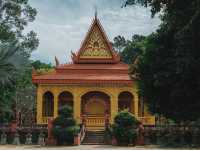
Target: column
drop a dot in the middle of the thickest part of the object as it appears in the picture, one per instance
(55, 94)
(39, 105)
(136, 101)
(77, 107)
(114, 107)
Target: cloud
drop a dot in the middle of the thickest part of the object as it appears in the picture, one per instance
(61, 25)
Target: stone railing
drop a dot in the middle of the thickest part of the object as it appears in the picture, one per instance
(172, 135)
(80, 136)
(45, 120)
(23, 135)
(98, 121)
(147, 120)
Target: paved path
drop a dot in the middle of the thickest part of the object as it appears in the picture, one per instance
(84, 147)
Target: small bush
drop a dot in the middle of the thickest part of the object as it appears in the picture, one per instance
(65, 127)
(124, 128)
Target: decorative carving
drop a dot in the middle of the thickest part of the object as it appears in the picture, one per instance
(96, 46)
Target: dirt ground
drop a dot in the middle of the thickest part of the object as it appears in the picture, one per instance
(87, 147)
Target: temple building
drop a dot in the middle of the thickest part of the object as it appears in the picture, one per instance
(96, 85)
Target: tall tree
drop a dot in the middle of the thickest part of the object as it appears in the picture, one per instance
(15, 50)
(168, 71)
(14, 17)
(12, 64)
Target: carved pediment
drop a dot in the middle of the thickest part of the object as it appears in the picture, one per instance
(96, 46)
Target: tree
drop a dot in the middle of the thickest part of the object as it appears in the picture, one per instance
(14, 16)
(12, 64)
(15, 50)
(25, 93)
(133, 49)
(129, 49)
(12, 61)
(167, 70)
(40, 65)
(119, 43)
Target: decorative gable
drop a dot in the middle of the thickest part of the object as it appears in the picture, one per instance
(96, 47)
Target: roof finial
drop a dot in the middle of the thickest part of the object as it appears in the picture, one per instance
(95, 7)
(57, 61)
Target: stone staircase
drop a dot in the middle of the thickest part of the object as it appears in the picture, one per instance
(94, 138)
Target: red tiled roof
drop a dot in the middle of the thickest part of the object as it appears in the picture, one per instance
(86, 73)
(118, 66)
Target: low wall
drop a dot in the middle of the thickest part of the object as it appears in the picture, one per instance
(23, 135)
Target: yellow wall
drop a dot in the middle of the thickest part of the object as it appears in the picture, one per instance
(78, 92)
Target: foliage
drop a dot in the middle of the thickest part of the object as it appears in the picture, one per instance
(12, 62)
(40, 65)
(119, 43)
(15, 50)
(124, 128)
(129, 49)
(173, 136)
(64, 126)
(14, 16)
(12, 65)
(167, 71)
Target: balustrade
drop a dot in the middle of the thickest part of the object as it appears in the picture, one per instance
(147, 120)
(95, 121)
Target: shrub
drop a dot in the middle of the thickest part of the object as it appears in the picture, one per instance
(65, 127)
(124, 128)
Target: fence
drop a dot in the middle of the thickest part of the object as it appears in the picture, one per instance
(172, 135)
(23, 135)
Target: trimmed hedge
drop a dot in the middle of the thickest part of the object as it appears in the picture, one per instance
(65, 127)
(125, 128)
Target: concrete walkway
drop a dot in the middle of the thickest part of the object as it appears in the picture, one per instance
(86, 147)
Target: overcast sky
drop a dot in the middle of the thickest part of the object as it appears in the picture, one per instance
(61, 25)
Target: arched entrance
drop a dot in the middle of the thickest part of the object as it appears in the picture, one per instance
(95, 109)
(65, 98)
(125, 101)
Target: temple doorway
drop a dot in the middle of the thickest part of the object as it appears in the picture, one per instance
(95, 109)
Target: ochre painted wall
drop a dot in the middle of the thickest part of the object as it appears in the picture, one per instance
(78, 91)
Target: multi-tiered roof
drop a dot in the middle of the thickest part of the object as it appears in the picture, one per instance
(96, 62)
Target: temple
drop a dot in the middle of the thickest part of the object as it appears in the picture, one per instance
(96, 85)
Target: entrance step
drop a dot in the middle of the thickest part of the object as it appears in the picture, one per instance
(94, 137)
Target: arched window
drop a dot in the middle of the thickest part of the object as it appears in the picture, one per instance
(125, 101)
(48, 104)
(65, 98)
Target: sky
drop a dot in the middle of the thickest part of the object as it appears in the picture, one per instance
(61, 25)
